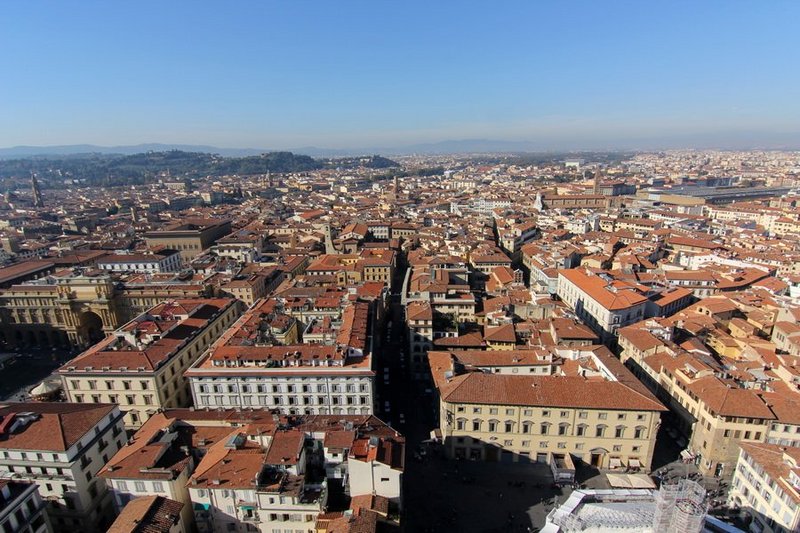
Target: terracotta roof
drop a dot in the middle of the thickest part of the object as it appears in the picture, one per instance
(59, 427)
(611, 295)
(773, 459)
(556, 391)
(147, 514)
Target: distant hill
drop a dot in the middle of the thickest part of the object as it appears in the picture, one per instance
(372, 161)
(114, 169)
(146, 167)
(83, 149)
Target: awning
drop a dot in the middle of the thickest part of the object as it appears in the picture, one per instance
(201, 506)
(630, 481)
(248, 507)
(436, 434)
(686, 454)
(634, 463)
(615, 463)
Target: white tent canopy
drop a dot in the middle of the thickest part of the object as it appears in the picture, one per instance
(630, 481)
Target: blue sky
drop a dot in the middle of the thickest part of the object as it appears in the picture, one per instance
(343, 74)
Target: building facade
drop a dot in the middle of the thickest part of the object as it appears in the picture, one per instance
(141, 366)
(61, 447)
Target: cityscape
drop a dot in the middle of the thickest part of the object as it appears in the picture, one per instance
(421, 306)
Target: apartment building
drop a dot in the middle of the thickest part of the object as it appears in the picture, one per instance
(190, 237)
(21, 508)
(141, 366)
(242, 369)
(158, 460)
(603, 304)
(483, 263)
(445, 287)
(154, 263)
(702, 283)
(254, 470)
(61, 447)
(512, 237)
(419, 319)
(715, 413)
(542, 260)
(592, 409)
(371, 264)
(766, 487)
(243, 246)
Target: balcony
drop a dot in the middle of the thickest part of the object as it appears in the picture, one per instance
(249, 514)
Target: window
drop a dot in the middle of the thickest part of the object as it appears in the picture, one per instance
(638, 433)
(460, 424)
(544, 428)
(563, 428)
(476, 425)
(581, 430)
(476, 410)
(492, 425)
(602, 416)
(545, 413)
(509, 412)
(619, 432)
(600, 431)
(139, 486)
(122, 485)
(493, 410)
(509, 426)
(564, 414)
(460, 409)
(158, 486)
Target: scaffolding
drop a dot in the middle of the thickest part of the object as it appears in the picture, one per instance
(680, 507)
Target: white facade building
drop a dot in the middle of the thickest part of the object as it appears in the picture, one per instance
(61, 447)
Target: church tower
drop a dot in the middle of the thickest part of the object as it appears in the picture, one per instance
(596, 188)
(37, 194)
